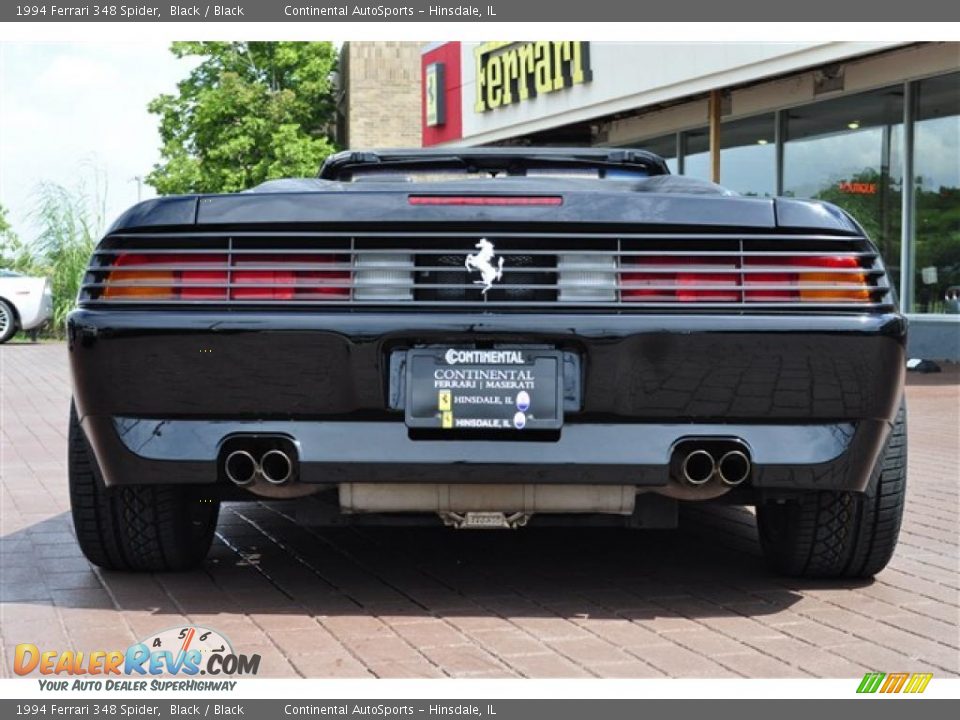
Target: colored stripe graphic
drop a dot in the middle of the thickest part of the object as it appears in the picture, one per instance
(918, 682)
(894, 682)
(870, 682)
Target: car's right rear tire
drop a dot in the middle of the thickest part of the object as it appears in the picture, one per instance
(826, 534)
(148, 528)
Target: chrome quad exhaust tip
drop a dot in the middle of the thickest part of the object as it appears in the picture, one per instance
(276, 467)
(259, 462)
(240, 467)
(733, 468)
(705, 467)
(698, 467)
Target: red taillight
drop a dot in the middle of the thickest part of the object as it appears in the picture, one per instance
(760, 278)
(265, 283)
(288, 277)
(680, 278)
(201, 281)
(203, 276)
(485, 200)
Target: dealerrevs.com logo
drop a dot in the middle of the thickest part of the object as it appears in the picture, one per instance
(184, 651)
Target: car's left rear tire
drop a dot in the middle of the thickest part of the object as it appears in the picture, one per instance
(146, 528)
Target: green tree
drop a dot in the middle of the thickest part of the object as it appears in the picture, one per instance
(249, 112)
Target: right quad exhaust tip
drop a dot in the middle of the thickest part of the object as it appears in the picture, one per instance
(733, 468)
(276, 467)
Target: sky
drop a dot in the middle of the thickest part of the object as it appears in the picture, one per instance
(66, 109)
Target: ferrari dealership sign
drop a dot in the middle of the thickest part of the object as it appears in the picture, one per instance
(515, 72)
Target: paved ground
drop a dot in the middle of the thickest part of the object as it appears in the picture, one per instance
(433, 603)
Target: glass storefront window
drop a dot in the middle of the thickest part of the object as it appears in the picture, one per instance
(848, 151)
(748, 156)
(936, 167)
(696, 153)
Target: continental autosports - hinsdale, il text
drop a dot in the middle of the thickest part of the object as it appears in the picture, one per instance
(378, 11)
(345, 10)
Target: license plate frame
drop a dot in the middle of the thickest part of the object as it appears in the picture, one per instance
(516, 390)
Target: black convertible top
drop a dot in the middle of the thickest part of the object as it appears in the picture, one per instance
(511, 160)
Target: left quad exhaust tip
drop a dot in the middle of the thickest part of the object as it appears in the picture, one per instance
(698, 467)
(240, 467)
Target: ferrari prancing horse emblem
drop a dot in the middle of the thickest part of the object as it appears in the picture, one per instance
(483, 261)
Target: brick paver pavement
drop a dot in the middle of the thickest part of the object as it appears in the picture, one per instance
(405, 602)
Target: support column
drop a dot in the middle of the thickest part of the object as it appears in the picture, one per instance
(908, 201)
(780, 137)
(715, 100)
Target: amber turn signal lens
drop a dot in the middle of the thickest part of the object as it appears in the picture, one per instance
(857, 281)
(150, 283)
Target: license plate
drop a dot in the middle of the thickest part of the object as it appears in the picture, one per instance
(476, 390)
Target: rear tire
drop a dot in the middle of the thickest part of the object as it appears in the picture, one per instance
(827, 534)
(147, 528)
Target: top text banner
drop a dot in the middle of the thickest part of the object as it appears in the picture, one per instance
(495, 11)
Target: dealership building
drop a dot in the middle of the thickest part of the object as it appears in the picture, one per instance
(844, 122)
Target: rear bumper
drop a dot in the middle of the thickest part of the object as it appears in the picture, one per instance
(787, 457)
(812, 397)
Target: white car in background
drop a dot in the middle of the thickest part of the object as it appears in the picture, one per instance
(26, 303)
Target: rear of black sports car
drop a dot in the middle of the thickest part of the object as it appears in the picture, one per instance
(546, 337)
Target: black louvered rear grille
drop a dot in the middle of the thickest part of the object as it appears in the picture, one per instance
(562, 271)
